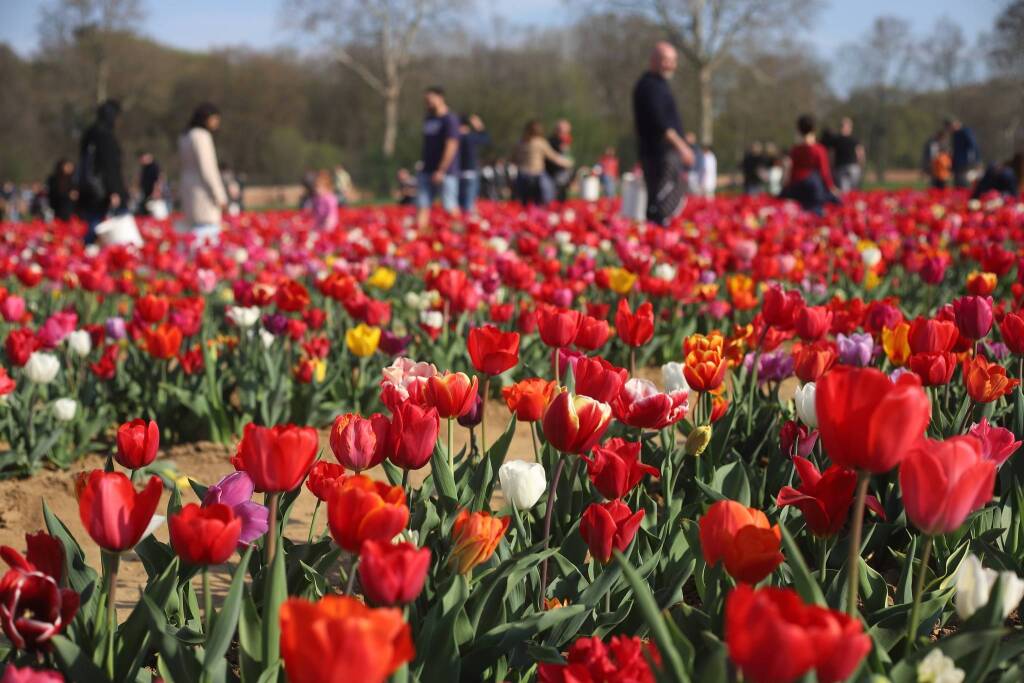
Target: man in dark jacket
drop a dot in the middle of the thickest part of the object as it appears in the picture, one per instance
(101, 188)
(663, 152)
(966, 154)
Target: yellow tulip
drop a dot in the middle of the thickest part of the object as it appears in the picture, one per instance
(382, 278)
(362, 340)
(620, 280)
(896, 344)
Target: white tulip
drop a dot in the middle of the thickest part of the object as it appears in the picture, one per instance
(805, 410)
(665, 271)
(64, 409)
(433, 319)
(41, 367)
(498, 244)
(80, 342)
(267, 338)
(672, 377)
(523, 482)
(974, 586)
(871, 256)
(938, 668)
(244, 316)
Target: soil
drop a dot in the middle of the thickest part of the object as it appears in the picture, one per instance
(204, 462)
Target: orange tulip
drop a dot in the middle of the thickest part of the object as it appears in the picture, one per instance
(986, 381)
(704, 370)
(574, 423)
(360, 509)
(475, 535)
(453, 394)
(162, 342)
(743, 538)
(339, 639)
(528, 398)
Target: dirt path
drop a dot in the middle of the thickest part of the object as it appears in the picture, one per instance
(21, 500)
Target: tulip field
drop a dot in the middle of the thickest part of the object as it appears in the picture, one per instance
(544, 445)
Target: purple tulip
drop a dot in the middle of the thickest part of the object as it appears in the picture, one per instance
(116, 328)
(393, 345)
(275, 323)
(235, 491)
(475, 414)
(855, 349)
(774, 366)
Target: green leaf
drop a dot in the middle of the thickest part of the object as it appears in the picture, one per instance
(276, 593)
(671, 661)
(227, 619)
(74, 662)
(803, 580)
(132, 646)
(442, 475)
(180, 663)
(437, 657)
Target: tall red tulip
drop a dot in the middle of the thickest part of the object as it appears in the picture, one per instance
(813, 322)
(944, 481)
(277, 459)
(574, 423)
(112, 512)
(609, 526)
(204, 535)
(867, 421)
(635, 329)
(137, 443)
(412, 435)
(558, 326)
(392, 574)
(491, 350)
(1012, 331)
(929, 335)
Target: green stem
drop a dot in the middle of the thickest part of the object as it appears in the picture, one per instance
(111, 566)
(272, 529)
(915, 610)
(483, 418)
(853, 561)
(351, 583)
(547, 530)
(207, 604)
(451, 445)
(536, 449)
(312, 522)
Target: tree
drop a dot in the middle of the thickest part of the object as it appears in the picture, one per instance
(1007, 39)
(943, 56)
(375, 39)
(90, 25)
(707, 32)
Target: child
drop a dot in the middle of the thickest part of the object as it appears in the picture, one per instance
(325, 202)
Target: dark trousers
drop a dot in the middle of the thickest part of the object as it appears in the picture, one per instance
(666, 189)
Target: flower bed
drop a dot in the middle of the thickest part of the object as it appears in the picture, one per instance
(820, 483)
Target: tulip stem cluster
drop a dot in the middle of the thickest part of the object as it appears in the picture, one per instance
(915, 609)
(852, 564)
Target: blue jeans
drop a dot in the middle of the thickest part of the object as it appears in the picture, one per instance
(92, 219)
(469, 190)
(427, 191)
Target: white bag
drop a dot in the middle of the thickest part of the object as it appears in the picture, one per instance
(590, 188)
(157, 209)
(634, 197)
(119, 230)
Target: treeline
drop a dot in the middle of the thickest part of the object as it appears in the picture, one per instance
(284, 113)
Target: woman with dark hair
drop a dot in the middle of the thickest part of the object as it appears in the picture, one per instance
(1006, 178)
(202, 190)
(810, 180)
(60, 190)
(101, 188)
(534, 185)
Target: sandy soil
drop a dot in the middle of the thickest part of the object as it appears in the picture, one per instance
(21, 500)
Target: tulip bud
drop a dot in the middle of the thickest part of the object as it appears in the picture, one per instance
(522, 482)
(698, 440)
(64, 409)
(475, 535)
(805, 410)
(80, 343)
(137, 443)
(974, 587)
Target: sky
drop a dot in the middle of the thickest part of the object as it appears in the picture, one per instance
(202, 24)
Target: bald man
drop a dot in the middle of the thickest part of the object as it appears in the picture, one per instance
(664, 154)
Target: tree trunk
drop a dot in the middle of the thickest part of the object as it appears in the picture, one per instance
(390, 122)
(102, 76)
(707, 124)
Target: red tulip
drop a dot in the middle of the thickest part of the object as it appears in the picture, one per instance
(13, 674)
(277, 458)
(33, 608)
(574, 423)
(392, 573)
(867, 421)
(361, 509)
(929, 335)
(814, 360)
(323, 478)
(112, 512)
(599, 379)
(743, 538)
(592, 335)
(614, 467)
(624, 659)
(635, 329)
(20, 344)
(412, 435)
(944, 481)
(491, 350)
(813, 322)
(609, 526)
(151, 309)
(558, 326)
(641, 405)
(340, 639)
(934, 369)
(1012, 331)
(779, 308)
(204, 535)
(453, 394)
(162, 342)
(773, 637)
(973, 316)
(358, 442)
(529, 398)
(985, 381)
(824, 499)
(137, 443)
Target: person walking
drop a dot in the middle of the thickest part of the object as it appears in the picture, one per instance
(472, 136)
(561, 142)
(101, 188)
(663, 153)
(533, 184)
(439, 177)
(750, 167)
(149, 181)
(966, 153)
(203, 196)
(609, 164)
(810, 180)
(60, 190)
(847, 156)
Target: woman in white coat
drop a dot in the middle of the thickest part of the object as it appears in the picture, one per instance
(202, 191)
